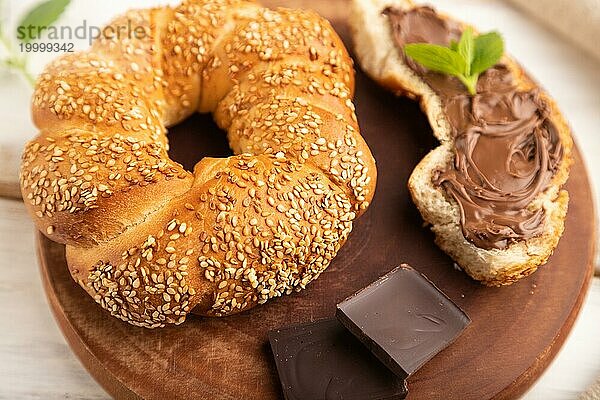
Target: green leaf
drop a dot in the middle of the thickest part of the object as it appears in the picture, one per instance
(488, 51)
(436, 58)
(466, 48)
(470, 83)
(465, 59)
(41, 16)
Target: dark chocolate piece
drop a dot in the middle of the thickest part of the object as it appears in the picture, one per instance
(403, 319)
(323, 361)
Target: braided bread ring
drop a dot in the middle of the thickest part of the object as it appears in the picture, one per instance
(150, 241)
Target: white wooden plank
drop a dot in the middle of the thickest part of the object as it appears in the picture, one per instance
(592, 393)
(577, 365)
(35, 360)
(562, 15)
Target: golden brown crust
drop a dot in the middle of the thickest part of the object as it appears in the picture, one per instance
(150, 241)
(379, 57)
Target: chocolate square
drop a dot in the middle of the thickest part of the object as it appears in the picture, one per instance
(323, 361)
(403, 318)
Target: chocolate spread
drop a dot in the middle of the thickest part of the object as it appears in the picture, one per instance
(506, 149)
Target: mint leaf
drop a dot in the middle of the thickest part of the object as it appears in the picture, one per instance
(488, 51)
(41, 16)
(465, 59)
(436, 58)
(466, 48)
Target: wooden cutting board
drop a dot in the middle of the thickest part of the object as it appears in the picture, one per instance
(516, 331)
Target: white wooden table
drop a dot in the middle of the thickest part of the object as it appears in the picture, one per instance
(35, 361)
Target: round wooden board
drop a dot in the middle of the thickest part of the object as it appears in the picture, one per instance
(515, 333)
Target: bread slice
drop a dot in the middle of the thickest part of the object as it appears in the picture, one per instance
(380, 58)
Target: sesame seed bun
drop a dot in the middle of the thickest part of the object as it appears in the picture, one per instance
(150, 241)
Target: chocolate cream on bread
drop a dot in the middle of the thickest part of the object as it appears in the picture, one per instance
(506, 148)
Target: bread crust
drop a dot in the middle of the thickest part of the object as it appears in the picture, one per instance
(151, 242)
(379, 57)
